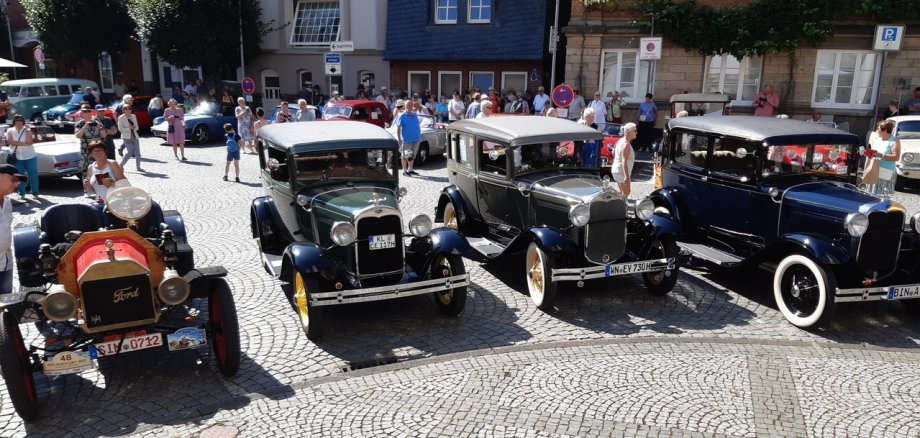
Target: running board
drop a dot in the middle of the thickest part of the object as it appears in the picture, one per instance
(486, 247)
(272, 263)
(710, 254)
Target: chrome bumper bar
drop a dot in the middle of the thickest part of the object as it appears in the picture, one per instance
(388, 292)
(603, 271)
(895, 292)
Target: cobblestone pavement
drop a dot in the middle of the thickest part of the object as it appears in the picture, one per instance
(714, 357)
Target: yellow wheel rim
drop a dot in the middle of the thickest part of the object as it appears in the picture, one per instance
(535, 273)
(300, 300)
(450, 217)
(441, 264)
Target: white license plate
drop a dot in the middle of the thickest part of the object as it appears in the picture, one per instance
(901, 292)
(628, 268)
(130, 344)
(382, 241)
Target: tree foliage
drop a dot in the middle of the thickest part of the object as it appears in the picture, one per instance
(204, 33)
(81, 29)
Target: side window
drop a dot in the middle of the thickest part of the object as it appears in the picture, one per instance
(51, 90)
(279, 173)
(733, 157)
(64, 90)
(691, 149)
(462, 146)
(493, 158)
(376, 114)
(32, 92)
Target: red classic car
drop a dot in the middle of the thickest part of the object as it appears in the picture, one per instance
(144, 121)
(369, 111)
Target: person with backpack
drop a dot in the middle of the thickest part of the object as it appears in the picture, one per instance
(233, 151)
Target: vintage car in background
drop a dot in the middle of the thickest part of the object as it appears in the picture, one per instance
(330, 225)
(361, 110)
(434, 138)
(757, 191)
(204, 122)
(701, 104)
(906, 129)
(56, 158)
(121, 278)
(138, 106)
(58, 116)
(31, 97)
(519, 184)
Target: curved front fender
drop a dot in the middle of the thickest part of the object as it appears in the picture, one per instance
(306, 258)
(26, 241)
(552, 241)
(669, 198)
(452, 194)
(817, 246)
(265, 224)
(440, 241)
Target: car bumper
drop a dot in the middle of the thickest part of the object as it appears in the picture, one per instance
(158, 133)
(911, 171)
(887, 293)
(54, 123)
(389, 292)
(613, 270)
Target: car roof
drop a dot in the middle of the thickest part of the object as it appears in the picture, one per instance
(527, 129)
(767, 130)
(897, 119)
(357, 102)
(48, 81)
(325, 134)
(701, 97)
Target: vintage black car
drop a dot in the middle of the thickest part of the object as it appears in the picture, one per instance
(531, 184)
(752, 191)
(330, 224)
(108, 280)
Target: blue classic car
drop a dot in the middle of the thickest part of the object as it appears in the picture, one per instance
(754, 191)
(202, 123)
(56, 117)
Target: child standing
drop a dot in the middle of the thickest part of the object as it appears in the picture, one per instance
(233, 151)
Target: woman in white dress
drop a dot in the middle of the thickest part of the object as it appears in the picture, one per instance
(624, 158)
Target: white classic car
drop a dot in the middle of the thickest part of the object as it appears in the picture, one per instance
(906, 129)
(434, 138)
(56, 158)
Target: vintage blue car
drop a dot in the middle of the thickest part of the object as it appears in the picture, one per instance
(330, 226)
(202, 123)
(56, 117)
(754, 191)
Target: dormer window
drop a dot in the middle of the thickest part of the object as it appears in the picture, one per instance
(445, 12)
(480, 11)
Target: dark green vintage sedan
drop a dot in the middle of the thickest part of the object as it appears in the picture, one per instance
(330, 224)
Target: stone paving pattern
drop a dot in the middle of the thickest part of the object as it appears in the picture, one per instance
(714, 357)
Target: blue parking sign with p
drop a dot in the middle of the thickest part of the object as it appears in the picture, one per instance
(889, 34)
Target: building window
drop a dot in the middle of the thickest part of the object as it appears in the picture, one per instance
(316, 23)
(106, 76)
(845, 79)
(514, 81)
(728, 75)
(623, 72)
(306, 78)
(446, 12)
(480, 11)
(482, 79)
(449, 81)
(419, 81)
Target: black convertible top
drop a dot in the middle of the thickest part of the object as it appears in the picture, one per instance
(767, 130)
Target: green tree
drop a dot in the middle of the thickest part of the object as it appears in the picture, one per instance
(81, 29)
(206, 33)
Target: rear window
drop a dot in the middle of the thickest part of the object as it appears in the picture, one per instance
(909, 130)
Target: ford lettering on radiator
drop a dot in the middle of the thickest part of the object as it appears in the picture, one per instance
(125, 294)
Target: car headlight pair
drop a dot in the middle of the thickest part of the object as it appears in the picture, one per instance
(580, 214)
(344, 233)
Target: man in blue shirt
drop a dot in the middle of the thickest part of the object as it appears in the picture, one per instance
(646, 130)
(409, 134)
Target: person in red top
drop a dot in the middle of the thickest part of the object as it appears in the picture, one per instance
(766, 102)
(496, 100)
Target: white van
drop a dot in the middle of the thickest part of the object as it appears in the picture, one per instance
(30, 97)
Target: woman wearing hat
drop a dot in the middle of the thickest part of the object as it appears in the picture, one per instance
(9, 179)
(19, 137)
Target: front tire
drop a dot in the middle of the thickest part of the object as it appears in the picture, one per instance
(310, 317)
(201, 134)
(224, 328)
(16, 368)
(804, 292)
(450, 302)
(662, 282)
(539, 267)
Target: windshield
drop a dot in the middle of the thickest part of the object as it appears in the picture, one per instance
(205, 109)
(828, 159)
(322, 166)
(908, 130)
(552, 155)
(76, 98)
(337, 111)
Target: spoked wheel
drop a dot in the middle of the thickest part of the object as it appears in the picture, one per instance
(16, 368)
(224, 328)
(804, 291)
(201, 134)
(422, 157)
(661, 282)
(310, 317)
(539, 268)
(450, 216)
(452, 301)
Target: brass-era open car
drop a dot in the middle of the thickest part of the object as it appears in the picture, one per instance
(109, 280)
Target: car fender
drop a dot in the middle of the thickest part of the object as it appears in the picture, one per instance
(670, 199)
(174, 222)
(306, 258)
(660, 227)
(200, 280)
(440, 241)
(817, 247)
(26, 241)
(550, 240)
(452, 194)
(265, 222)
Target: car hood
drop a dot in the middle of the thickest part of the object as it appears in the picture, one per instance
(832, 196)
(62, 109)
(346, 201)
(188, 118)
(578, 185)
(58, 148)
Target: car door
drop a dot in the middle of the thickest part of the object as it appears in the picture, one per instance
(494, 183)
(728, 195)
(461, 165)
(277, 183)
(686, 173)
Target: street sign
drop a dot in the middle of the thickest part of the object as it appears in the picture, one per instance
(248, 85)
(342, 46)
(334, 64)
(650, 49)
(888, 37)
(563, 96)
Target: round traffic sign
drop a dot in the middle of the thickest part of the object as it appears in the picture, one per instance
(563, 96)
(248, 85)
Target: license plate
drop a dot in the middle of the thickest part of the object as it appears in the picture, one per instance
(130, 344)
(901, 292)
(382, 241)
(628, 268)
(187, 338)
(67, 362)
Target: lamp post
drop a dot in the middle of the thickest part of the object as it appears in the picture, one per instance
(553, 42)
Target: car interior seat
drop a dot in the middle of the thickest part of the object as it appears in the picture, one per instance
(60, 219)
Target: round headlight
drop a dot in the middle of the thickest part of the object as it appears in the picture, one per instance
(915, 222)
(420, 225)
(856, 223)
(343, 233)
(128, 203)
(645, 209)
(907, 157)
(580, 214)
(59, 305)
(173, 289)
